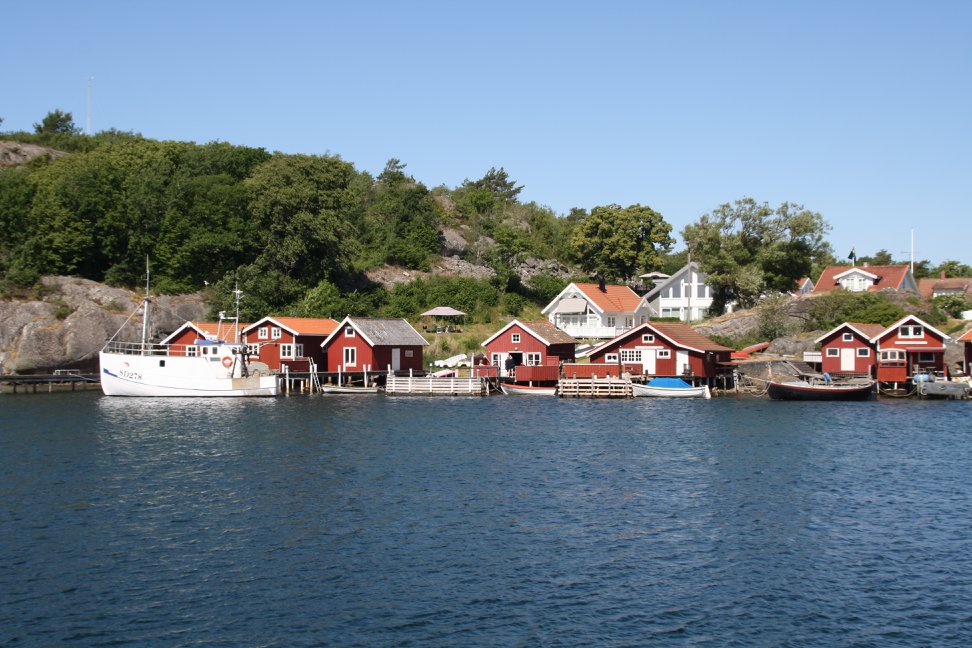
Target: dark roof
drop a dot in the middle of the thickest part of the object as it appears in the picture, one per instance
(685, 335)
(549, 332)
(386, 331)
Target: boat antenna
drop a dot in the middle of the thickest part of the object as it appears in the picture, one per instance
(145, 307)
(237, 294)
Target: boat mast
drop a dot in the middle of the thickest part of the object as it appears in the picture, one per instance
(145, 306)
(236, 297)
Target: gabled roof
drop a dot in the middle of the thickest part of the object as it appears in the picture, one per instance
(679, 334)
(298, 325)
(613, 299)
(912, 318)
(380, 331)
(225, 331)
(543, 331)
(930, 285)
(966, 337)
(866, 331)
(891, 276)
(681, 272)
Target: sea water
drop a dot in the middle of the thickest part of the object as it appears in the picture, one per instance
(508, 521)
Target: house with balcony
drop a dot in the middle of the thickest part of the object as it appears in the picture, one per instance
(894, 278)
(596, 310)
(684, 295)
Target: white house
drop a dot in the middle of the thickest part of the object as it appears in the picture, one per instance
(684, 295)
(596, 310)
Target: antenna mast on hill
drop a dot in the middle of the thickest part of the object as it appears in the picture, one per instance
(87, 119)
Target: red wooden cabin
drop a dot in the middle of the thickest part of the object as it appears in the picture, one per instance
(189, 339)
(849, 349)
(526, 345)
(967, 339)
(665, 349)
(361, 344)
(290, 341)
(907, 346)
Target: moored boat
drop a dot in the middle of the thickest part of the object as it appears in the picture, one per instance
(513, 389)
(670, 388)
(213, 368)
(803, 390)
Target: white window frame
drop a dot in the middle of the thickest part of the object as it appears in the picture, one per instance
(647, 338)
(911, 331)
(253, 349)
(350, 356)
(287, 351)
(892, 355)
(664, 354)
(611, 357)
(631, 356)
(848, 337)
(192, 351)
(263, 333)
(515, 338)
(863, 352)
(349, 331)
(611, 321)
(833, 352)
(275, 333)
(532, 358)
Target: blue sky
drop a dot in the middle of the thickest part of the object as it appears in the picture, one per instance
(858, 110)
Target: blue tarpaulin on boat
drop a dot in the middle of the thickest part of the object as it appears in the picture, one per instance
(670, 383)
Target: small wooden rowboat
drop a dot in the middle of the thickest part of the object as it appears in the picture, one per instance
(518, 390)
(803, 390)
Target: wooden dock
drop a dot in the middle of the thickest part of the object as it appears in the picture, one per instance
(431, 386)
(59, 381)
(609, 387)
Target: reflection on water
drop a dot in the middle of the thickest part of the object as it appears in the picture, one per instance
(375, 521)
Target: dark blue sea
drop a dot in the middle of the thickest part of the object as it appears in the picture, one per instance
(503, 521)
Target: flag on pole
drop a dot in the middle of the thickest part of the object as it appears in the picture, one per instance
(852, 256)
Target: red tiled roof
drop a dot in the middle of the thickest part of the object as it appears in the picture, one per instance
(930, 285)
(966, 337)
(684, 334)
(619, 299)
(309, 325)
(891, 276)
(870, 330)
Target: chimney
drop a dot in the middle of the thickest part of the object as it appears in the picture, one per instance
(943, 274)
(600, 283)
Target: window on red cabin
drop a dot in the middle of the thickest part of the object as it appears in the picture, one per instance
(833, 353)
(863, 352)
(263, 333)
(515, 338)
(848, 337)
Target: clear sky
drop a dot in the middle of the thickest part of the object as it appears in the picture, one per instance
(858, 110)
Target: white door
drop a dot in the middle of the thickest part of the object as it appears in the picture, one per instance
(648, 361)
(681, 362)
(847, 361)
(396, 359)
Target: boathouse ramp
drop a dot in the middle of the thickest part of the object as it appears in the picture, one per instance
(432, 386)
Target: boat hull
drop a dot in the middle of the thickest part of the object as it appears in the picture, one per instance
(808, 392)
(671, 392)
(128, 375)
(526, 390)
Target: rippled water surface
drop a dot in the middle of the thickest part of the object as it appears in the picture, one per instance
(368, 520)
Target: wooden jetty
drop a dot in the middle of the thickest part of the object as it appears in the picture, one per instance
(59, 381)
(434, 386)
(594, 387)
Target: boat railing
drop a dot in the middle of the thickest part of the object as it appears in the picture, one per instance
(147, 349)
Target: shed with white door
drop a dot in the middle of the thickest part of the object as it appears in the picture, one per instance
(665, 349)
(374, 344)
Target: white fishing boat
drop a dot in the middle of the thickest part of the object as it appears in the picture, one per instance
(206, 368)
(670, 388)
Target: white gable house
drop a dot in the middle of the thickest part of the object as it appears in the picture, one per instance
(684, 295)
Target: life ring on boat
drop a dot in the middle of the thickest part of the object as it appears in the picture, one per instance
(227, 362)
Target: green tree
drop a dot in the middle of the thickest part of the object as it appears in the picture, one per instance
(838, 306)
(57, 122)
(615, 242)
(303, 208)
(953, 305)
(748, 249)
(952, 268)
(880, 258)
